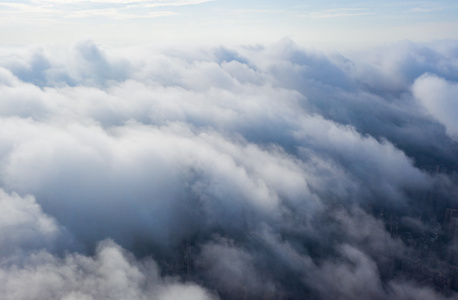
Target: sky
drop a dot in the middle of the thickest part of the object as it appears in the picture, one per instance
(206, 150)
(319, 23)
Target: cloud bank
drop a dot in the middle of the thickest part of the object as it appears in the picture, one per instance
(214, 173)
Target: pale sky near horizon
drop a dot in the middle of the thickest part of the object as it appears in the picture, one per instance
(316, 23)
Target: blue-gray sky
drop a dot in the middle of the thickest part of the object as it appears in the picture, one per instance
(320, 23)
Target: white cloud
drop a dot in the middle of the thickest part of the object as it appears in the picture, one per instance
(23, 225)
(425, 9)
(111, 273)
(149, 2)
(440, 99)
(266, 172)
(115, 10)
(340, 12)
(117, 15)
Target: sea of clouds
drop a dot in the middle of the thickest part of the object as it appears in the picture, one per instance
(254, 172)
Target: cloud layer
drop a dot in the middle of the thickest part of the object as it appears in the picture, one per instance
(258, 172)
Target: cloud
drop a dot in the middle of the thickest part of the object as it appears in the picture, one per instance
(356, 274)
(339, 13)
(151, 3)
(172, 2)
(23, 225)
(231, 269)
(438, 96)
(110, 273)
(111, 10)
(427, 9)
(260, 172)
(116, 15)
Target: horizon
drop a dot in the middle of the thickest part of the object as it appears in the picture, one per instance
(329, 25)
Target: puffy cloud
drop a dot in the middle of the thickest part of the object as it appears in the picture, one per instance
(232, 271)
(265, 172)
(439, 98)
(358, 276)
(110, 273)
(354, 274)
(23, 225)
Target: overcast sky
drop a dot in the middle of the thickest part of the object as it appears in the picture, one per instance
(319, 23)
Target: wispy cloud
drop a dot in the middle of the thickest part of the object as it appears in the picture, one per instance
(157, 3)
(340, 12)
(116, 10)
(425, 9)
(166, 3)
(117, 14)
